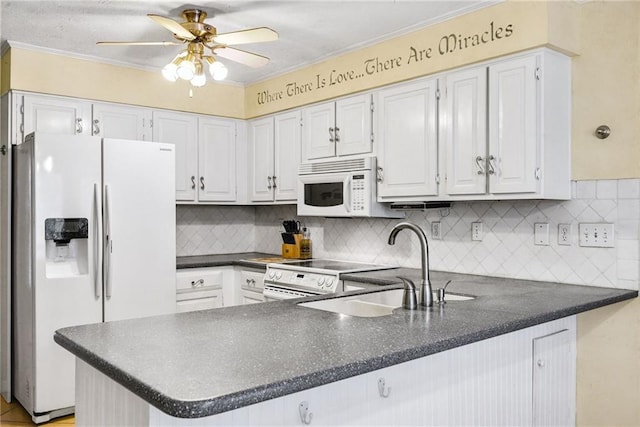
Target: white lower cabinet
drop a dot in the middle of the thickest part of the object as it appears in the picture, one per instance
(251, 286)
(198, 289)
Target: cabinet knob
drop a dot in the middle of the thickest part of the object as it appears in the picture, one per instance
(331, 136)
(269, 186)
(96, 127)
(202, 182)
(336, 137)
(383, 390)
(78, 125)
(274, 181)
(491, 164)
(197, 283)
(540, 363)
(379, 174)
(193, 182)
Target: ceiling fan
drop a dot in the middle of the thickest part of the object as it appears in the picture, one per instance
(198, 35)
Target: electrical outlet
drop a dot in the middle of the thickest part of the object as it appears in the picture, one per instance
(596, 235)
(541, 234)
(476, 231)
(436, 230)
(564, 234)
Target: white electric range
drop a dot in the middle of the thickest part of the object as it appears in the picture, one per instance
(295, 279)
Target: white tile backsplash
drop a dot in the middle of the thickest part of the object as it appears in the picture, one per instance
(507, 249)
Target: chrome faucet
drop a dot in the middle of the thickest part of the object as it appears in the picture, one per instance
(426, 295)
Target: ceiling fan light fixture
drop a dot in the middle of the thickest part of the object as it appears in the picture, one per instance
(217, 69)
(199, 79)
(187, 68)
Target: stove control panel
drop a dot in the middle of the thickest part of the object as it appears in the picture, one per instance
(319, 282)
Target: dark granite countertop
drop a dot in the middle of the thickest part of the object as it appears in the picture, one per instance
(202, 363)
(257, 260)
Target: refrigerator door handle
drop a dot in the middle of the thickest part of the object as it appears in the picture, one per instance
(96, 245)
(107, 241)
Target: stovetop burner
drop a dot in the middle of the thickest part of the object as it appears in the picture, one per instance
(338, 266)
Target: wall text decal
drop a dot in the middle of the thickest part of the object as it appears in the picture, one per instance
(447, 44)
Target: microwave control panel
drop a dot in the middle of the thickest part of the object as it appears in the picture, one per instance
(358, 192)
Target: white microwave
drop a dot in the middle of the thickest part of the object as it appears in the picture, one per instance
(341, 188)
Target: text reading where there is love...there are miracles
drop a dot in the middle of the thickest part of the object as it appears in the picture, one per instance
(447, 45)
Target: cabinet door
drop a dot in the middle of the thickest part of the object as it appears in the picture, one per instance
(251, 297)
(121, 122)
(180, 130)
(512, 126)
(216, 159)
(261, 160)
(288, 135)
(464, 131)
(318, 131)
(353, 125)
(554, 379)
(51, 114)
(407, 152)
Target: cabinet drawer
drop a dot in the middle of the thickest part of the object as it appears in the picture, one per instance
(252, 280)
(197, 279)
(199, 303)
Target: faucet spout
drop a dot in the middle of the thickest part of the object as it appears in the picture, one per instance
(426, 295)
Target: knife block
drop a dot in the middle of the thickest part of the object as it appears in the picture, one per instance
(292, 250)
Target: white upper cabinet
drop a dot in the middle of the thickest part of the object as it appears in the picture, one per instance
(274, 156)
(408, 147)
(205, 155)
(463, 124)
(513, 134)
(52, 114)
(288, 134)
(180, 129)
(340, 128)
(216, 159)
(121, 122)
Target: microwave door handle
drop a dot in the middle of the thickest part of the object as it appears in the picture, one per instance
(347, 194)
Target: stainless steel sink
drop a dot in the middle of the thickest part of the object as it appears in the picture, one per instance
(373, 304)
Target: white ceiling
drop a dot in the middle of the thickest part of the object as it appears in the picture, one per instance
(309, 30)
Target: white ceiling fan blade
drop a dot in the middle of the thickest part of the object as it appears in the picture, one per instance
(138, 43)
(251, 35)
(172, 26)
(246, 58)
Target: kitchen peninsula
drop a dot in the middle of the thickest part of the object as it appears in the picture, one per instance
(280, 363)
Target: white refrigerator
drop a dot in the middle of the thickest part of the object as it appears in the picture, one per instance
(94, 241)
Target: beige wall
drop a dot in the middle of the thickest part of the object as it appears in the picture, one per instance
(42, 72)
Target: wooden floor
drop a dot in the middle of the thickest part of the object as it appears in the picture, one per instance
(13, 414)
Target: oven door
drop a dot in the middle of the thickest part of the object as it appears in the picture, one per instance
(326, 194)
(278, 293)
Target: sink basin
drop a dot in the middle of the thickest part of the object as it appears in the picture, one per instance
(373, 304)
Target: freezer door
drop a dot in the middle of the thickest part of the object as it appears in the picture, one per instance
(66, 276)
(139, 229)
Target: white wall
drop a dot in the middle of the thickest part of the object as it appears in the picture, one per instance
(507, 249)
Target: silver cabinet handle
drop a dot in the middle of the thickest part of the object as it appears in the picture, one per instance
(269, 186)
(197, 283)
(331, 135)
(491, 165)
(96, 127)
(335, 134)
(202, 182)
(274, 181)
(78, 125)
(380, 174)
(3, 150)
(383, 390)
(479, 161)
(193, 182)
(305, 415)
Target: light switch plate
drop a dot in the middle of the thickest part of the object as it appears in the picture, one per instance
(436, 230)
(596, 235)
(541, 234)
